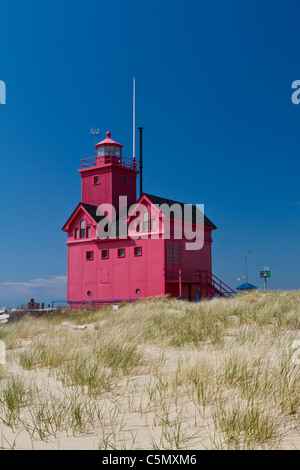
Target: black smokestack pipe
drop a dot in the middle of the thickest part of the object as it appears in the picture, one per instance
(141, 160)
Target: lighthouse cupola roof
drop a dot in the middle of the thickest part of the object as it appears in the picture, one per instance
(108, 146)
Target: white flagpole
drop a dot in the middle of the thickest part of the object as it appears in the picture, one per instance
(133, 118)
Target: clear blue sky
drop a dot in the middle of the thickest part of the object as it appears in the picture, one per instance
(213, 95)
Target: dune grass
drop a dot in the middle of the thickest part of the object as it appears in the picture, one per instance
(160, 374)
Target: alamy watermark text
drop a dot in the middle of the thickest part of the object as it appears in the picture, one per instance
(2, 92)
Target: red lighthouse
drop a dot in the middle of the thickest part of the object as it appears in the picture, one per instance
(121, 248)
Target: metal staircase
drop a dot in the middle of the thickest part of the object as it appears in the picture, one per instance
(208, 282)
(214, 285)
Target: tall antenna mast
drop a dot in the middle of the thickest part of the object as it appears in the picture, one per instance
(94, 131)
(133, 119)
(141, 160)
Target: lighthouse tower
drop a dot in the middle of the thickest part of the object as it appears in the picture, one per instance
(108, 175)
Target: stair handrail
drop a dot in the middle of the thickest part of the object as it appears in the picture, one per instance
(216, 281)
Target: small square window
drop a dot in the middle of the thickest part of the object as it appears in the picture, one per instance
(121, 253)
(89, 255)
(96, 180)
(124, 180)
(105, 254)
(89, 231)
(138, 251)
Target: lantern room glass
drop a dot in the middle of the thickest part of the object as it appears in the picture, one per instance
(109, 150)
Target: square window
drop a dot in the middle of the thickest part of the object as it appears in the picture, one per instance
(89, 255)
(96, 180)
(105, 254)
(121, 253)
(138, 251)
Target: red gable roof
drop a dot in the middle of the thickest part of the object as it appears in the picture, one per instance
(88, 209)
